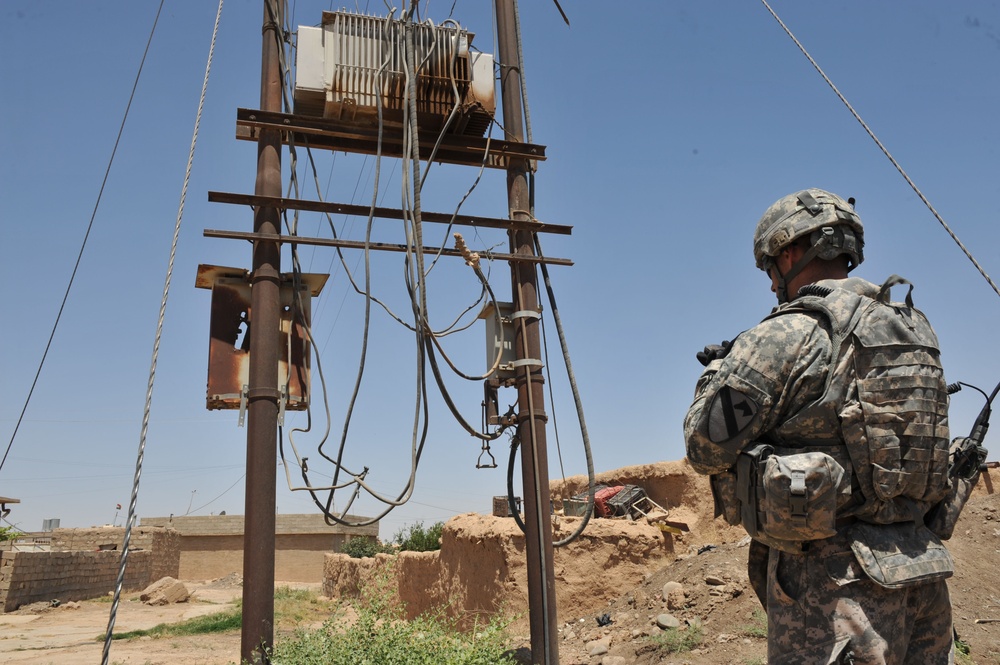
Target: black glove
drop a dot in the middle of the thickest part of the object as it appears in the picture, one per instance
(714, 352)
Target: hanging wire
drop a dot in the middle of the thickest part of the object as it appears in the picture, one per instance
(577, 400)
(884, 150)
(130, 522)
(83, 245)
(416, 284)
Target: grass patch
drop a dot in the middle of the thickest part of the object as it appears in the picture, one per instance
(757, 626)
(382, 636)
(292, 607)
(219, 622)
(673, 640)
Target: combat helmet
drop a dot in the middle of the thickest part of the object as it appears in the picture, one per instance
(827, 220)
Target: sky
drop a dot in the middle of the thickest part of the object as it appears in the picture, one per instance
(669, 126)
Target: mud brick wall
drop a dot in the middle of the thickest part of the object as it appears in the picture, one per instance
(31, 577)
(211, 547)
(164, 543)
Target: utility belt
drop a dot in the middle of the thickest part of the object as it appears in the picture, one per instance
(787, 501)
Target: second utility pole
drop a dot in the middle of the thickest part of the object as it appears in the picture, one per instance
(263, 394)
(531, 417)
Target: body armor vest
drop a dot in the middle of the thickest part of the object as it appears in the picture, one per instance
(886, 388)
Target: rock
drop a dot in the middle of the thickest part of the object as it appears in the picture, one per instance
(666, 621)
(714, 580)
(613, 660)
(164, 591)
(670, 587)
(598, 647)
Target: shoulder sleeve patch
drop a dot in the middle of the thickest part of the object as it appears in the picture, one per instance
(730, 413)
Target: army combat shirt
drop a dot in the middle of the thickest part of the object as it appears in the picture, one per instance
(771, 373)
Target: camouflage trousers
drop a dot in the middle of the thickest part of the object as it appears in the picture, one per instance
(823, 610)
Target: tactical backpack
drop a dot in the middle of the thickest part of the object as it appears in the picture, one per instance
(886, 387)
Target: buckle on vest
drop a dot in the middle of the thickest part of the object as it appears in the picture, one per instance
(797, 494)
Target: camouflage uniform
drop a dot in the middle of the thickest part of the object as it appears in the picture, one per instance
(822, 607)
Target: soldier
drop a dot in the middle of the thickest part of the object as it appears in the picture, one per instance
(824, 432)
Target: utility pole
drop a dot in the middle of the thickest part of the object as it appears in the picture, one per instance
(530, 390)
(263, 394)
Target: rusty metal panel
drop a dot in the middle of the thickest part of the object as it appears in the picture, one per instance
(229, 344)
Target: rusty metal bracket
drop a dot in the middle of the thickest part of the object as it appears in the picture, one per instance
(375, 246)
(243, 404)
(329, 134)
(377, 212)
(282, 401)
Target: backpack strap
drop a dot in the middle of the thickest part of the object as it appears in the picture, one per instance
(891, 281)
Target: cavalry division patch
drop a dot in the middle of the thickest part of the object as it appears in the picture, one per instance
(731, 412)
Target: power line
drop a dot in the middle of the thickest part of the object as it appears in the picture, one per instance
(884, 150)
(83, 245)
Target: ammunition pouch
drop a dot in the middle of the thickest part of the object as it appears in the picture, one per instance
(785, 500)
(749, 487)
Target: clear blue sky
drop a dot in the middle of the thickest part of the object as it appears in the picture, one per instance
(669, 126)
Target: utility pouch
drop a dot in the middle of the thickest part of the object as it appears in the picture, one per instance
(800, 496)
(724, 495)
(749, 488)
(901, 554)
(943, 517)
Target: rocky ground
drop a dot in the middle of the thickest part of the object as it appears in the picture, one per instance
(706, 589)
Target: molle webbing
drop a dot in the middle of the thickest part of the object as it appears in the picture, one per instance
(887, 386)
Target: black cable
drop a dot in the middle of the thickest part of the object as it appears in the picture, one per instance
(86, 235)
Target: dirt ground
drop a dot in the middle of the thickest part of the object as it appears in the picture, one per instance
(73, 633)
(705, 586)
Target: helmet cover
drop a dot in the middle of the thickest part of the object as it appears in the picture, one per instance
(813, 213)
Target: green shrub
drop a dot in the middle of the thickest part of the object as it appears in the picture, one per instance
(963, 654)
(673, 640)
(381, 636)
(418, 539)
(359, 548)
(8, 533)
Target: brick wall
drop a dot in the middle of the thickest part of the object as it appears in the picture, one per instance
(164, 543)
(30, 577)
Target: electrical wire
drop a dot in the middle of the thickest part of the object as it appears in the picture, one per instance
(358, 478)
(156, 343)
(83, 245)
(415, 280)
(884, 150)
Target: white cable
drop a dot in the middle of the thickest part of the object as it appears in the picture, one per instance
(130, 522)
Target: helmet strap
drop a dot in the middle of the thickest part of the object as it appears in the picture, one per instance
(782, 287)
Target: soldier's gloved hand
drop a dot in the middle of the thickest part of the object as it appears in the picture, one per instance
(714, 352)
